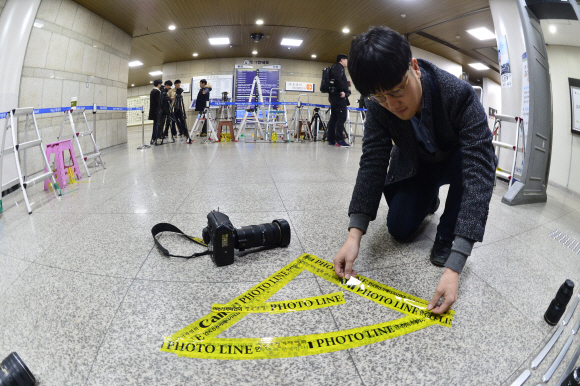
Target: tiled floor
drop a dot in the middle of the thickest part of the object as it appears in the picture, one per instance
(86, 299)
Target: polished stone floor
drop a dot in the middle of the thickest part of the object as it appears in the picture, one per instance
(86, 299)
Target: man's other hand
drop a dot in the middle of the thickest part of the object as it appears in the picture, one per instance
(342, 94)
(346, 256)
(446, 289)
(203, 92)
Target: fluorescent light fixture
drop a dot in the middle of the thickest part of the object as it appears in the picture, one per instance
(313, 55)
(482, 33)
(155, 73)
(38, 23)
(291, 42)
(151, 82)
(553, 29)
(195, 54)
(171, 27)
(135, 63)
(132, 85)
(259, 22)
(479, 66)
(254, 52)
(218, 41)
(345, 30)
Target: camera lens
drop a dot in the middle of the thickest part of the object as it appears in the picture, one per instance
(275, 234)
(13, 372)
(558, 305)
(573, 379)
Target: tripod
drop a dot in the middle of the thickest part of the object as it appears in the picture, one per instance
(180, 117)
(164, 100)
(316, 120)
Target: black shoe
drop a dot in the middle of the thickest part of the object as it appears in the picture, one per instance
(440, 251)
(434, 209)
(151, 143)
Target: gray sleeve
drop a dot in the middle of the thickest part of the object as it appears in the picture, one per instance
(359, 221)
(459, 253)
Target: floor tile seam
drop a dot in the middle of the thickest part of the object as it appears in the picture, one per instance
(278, 191)
(349, 352)
(106, 332)
(524, 316)
(17, 277)
(82, 272)
(211, 282)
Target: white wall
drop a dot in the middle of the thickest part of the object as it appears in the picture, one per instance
(439, 61)
(565, 165)
(491, 97)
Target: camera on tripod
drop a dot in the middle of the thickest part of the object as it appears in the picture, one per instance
(225, 96)
(222, 237)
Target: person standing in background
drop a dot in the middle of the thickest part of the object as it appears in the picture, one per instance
(201, 102)
(154, 108)
(338, 98)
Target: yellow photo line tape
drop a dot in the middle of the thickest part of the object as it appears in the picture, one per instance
(293, 346)
(198, 339)
(304, 304)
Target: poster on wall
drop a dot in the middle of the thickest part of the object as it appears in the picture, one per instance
(525, 114)
(218, 83)
(504, 61)
(575, 97)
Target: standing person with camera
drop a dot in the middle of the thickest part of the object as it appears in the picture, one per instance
(179, 113)
(166, 112)
(424, 128)
(154, 98)
(338, 97)
(201, 102)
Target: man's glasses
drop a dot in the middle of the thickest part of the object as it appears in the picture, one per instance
(395, 93)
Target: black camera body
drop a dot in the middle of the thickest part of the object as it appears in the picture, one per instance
(222, 238)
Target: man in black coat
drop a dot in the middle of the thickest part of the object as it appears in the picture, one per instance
(338, 98)
(166, 112)
(154, 108)
(424, 128)
(201, 102)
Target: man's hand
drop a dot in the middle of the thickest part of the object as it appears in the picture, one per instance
(203, 92)
(346, 256)
(342, 94)
(447, 288)
(349, 84)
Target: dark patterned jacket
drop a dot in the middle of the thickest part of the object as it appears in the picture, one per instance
(459, 120)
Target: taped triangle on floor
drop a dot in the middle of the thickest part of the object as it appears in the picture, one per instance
(198, 340)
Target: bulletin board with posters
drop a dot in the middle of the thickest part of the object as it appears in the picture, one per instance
(134, 117)
(218, 83)
(575, 104)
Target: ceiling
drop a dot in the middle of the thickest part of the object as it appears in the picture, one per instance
(432, 25)
(567, 32)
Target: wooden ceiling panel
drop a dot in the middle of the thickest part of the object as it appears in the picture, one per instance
(317, 22)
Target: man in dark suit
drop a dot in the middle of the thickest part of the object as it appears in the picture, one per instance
(338, 98)
(424, 128)
(201, 102)
(154, 109)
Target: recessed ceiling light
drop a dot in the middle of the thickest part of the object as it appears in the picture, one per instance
(135, 63)
(218, 41)
(151, 82)
(291, 42)
(289, 47)
(553, 29)
(313, 55)
(132, 85)
(345, 30)
(260, 22)
(154, 73)
(254, 52)
(171, 27)
(482, 33)
(195, 54)
(479, 66)
(403, 16)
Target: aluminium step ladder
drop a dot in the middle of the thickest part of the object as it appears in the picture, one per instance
(254, 112)
(273, 118)
(16, 148)
(80, 113)
(499, 118)
(302, 119)
(197, 128)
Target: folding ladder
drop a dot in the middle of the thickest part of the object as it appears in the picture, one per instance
(360, 121)
(302, 115)
(274, 114)
(16, 148)
(204, 116)
(81, 113)
(255, 112)
(499, 118)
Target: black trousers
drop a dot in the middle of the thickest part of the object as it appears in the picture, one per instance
(154, 134)
(337, 119)
(411, 200)
(180, 122)
(165, 120)
(204, 128)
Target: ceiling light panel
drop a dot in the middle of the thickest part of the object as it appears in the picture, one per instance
(291, 42)
(155, 73)
(218, 41)
(479, 66)
(482, 33)
(135, 63)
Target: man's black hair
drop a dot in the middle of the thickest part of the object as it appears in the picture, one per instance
(168, 83)
(203, 81)
(157, 82)
(339, 57)
(177, 81)
(378, 60)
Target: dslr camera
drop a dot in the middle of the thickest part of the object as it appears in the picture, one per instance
(222, 238)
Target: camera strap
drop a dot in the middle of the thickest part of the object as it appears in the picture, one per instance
(165, 227)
